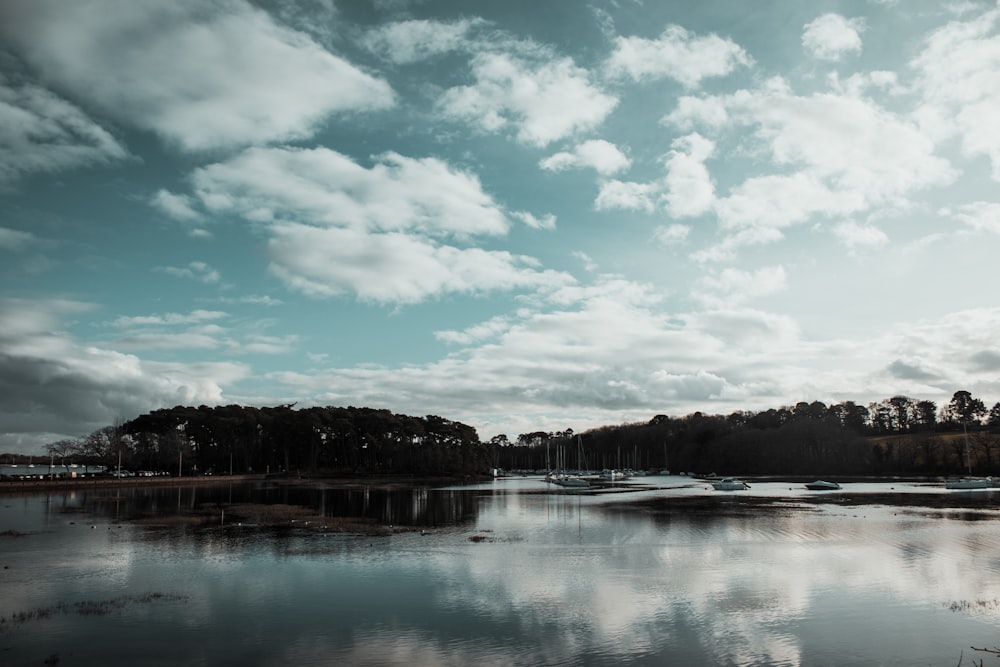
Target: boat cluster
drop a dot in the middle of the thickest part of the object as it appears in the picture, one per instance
(733, 484)
(584, 479)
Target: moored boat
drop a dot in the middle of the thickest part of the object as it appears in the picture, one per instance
(822, 485)
(573, 482)
(563, 479)
(969, 483)
(730, 484)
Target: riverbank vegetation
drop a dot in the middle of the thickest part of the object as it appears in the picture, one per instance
(896, 436)
(86, 608)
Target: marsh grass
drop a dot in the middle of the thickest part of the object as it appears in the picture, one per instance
(974, 606)
(268, 515)
(14, 533)
(479, 538)
(174, 520)
(296, 516)
(85, 608)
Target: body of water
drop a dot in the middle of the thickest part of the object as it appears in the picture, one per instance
(512, 572)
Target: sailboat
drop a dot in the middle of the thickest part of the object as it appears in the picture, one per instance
(561, 478)
(970, 482)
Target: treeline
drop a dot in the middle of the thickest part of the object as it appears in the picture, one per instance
(240, 439)
(899, 435)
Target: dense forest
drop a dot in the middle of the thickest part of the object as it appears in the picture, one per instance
(895, 436)
(899, 435)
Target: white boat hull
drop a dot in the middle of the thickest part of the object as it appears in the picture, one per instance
(729, 485)
(820, 485)
(966, 484)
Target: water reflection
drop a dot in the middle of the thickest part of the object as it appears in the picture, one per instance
(399, 507)
(516, 576)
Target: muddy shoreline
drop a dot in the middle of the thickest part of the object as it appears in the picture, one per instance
(388, 482)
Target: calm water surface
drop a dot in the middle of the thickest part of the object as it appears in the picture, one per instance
(510, 572)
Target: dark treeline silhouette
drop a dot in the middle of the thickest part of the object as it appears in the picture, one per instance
(241, 439)
(899, 435)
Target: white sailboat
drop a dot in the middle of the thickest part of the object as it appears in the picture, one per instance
(730, 484)
(560, 477)
(970, 482)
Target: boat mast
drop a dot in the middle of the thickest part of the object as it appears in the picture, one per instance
(968, 459)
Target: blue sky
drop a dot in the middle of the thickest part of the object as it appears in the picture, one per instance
(520, 215)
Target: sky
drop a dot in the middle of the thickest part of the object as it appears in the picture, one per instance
(518, 215)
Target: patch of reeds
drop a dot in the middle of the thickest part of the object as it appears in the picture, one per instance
(480, 538)
(85, 608)
(279, 515)
(974, 605)
(175, 520)
(269, 515)
(13, 533)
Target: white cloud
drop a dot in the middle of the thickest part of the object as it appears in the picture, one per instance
(861, 149)
(476, 333)
(585, 355)
(861, 83)
(588, 262)
(196, 330)
(831, 36)
(676, 54)
(373, 232)
(854, 235)
(691, 112)
(747, 329)
(53, 386)
(959, 79)
(602, 156)
(546, 100)
(833, 155)
(260, 300)
(160, 340)
(616, 194)
(324, 187)
(43, 133)
(169, 319)
(194, 271)
(686, 190)
(393, 267)
(260, 344)
(547, 221)
(178, 207)
(207, 339)
(733, 286)
(726, 249)
(407, 42)
(14, 240)
(689, 188)
(594, 348)
(672, 234)
(935, 356)
(201, 76)
(782, 200)
(980, 215)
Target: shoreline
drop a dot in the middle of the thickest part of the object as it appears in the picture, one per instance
(31, 486)
(37, 486)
